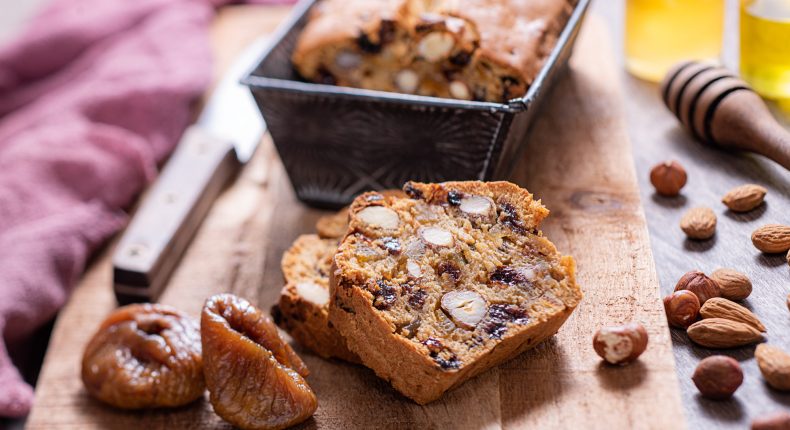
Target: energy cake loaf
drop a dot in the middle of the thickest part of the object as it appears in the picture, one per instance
(486, 50)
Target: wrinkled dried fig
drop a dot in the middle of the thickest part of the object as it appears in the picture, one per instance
(144, 356)
(255, 379)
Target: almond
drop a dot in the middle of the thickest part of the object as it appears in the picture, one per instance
(774, 365)
(772, 238)
(733, 285)
(699, 223)
(744, 198)
(723, 333)
(718, 307)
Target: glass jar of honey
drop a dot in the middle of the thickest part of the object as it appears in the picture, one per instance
(659, 33)
(765, 46)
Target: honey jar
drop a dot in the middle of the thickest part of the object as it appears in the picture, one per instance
(659, 33)
(765, 46)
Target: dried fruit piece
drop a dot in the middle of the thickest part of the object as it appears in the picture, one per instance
(466, 308)
(699, 223)
(774, 365)
(144, 356)
(620, 344)
(744, 198)
(776, 421)
(718, 307)
(699, 284)
(668, 178)
(255, 379)
(717, 377)
(682, 308)
(733, 285)
(723, 333)
(772, 238)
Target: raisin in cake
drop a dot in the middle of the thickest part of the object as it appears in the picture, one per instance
(488, 50)
(435, 288)
(303, 307)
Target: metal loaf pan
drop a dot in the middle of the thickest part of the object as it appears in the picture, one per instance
(337, 142)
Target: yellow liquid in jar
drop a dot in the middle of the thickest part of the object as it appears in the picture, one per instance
(660, 33)
(765, 46)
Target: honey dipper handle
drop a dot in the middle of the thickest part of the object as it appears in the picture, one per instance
(742, 121)
(721, 110)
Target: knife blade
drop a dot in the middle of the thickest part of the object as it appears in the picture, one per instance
(210, 153)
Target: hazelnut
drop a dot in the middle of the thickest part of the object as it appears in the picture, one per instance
(699, 284)
(379, 217)
(717, 377)
(668, 178)
(620, 344)
(436, 236)
(313, 293)
(436, 46)
(466, 308)
(682, 308)
(459, 90)
(407, 81)
(779, 420)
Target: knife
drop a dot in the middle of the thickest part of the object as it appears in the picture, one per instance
(210, 153)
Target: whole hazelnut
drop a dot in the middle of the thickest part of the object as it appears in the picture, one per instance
(668, 178)
(717, 377)
(699, 284)
(776, 421)
(682, 308)
(620, 344)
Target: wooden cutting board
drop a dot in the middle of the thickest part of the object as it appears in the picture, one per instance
(578, 161)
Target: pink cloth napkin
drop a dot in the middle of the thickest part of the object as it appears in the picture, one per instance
(93, 96)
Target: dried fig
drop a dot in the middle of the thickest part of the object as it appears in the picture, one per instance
(145, 356)
(255, 379)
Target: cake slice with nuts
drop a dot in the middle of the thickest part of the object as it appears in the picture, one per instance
(432, 289)
(303, 307)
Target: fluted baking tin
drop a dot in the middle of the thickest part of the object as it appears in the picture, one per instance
(337, 142)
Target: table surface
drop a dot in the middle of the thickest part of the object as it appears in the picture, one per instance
(656, 136)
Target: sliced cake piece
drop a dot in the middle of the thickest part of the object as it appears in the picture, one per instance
(435, 288)
(303, 307)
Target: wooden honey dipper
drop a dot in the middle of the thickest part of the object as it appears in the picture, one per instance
(722, 110)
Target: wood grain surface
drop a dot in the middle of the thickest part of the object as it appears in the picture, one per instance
(656, 135)
(578, 161)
